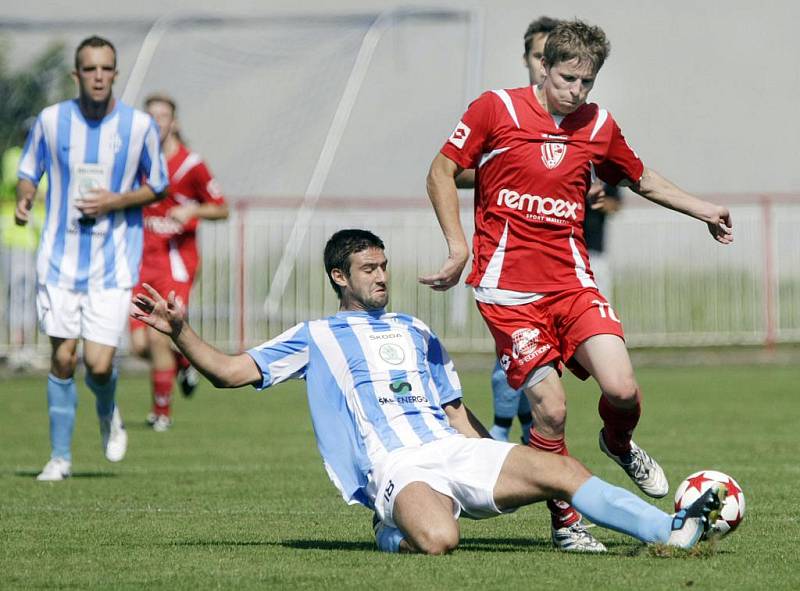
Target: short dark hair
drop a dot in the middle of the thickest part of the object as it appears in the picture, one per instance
(339, 248)
(577, 39)
(543, 24)
(94, 41)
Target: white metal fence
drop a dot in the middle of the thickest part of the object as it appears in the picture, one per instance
(673, 285)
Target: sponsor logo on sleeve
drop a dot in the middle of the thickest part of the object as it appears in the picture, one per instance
(460, 135)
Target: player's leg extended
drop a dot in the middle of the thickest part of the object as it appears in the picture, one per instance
(162, 376)
(101, 375)
(529, 476)
(548, 401)
(606, 358)
(101, 378)
(62, 402)
(425, 519)
(506, 403)
(139, 343)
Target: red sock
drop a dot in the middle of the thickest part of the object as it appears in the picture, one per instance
(562, 514)
(181, 360)
(162, 390)
(618, 424)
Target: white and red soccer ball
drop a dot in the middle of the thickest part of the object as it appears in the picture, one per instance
(732, 510)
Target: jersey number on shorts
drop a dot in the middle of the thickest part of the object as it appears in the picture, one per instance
(606, 311)
(387, 493)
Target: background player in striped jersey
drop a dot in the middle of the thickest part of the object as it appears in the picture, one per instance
(103, 162)
(170, 257)
(537, 150)
(386, 407)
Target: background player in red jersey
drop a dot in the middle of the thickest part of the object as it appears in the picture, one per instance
(537, 151)
(170, 257)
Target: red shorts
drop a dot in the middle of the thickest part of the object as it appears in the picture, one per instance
(548, 330)
(160, 274)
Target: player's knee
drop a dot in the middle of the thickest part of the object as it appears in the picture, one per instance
(436, 540)
(99, 369)
(553, 417)
(622, 390)
(63, 363)
(139, 348)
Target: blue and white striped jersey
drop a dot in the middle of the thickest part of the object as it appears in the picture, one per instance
(377, 382)
(117, 153)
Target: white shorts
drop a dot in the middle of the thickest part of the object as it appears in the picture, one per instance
(464, 469)
(99, 316)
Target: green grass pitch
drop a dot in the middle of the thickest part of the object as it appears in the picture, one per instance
(235, 496)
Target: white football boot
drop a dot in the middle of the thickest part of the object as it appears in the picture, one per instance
(114, 436)
(54, 470)
(641, 468)
(575, 538)
(689, 524)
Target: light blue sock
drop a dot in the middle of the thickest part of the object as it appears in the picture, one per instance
(62, 400)
(506, 399)
(104, 393)
(617, 509)
(388, 538)
(499, 433)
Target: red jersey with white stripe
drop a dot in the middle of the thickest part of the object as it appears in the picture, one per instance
(533, 171)
(189, 181)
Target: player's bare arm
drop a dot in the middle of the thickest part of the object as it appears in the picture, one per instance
(462, 420)
(201, 211)
(169, 317)
(101, 201)
(26, 193)
(656, 188)
(443, 194)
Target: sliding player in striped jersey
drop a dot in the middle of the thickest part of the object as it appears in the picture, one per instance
(170, 258)
(394, 434)
(103, 162)
(536, 151)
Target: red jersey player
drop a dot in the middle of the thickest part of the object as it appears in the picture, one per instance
(536, 151)
(170, 257)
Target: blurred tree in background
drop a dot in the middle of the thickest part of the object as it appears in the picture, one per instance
(25, 92)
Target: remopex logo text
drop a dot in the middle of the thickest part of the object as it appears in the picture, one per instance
(543, 205)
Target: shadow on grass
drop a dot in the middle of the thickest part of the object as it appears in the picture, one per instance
(328, 545)
(35, 473)
(515, 545)
(222, 543)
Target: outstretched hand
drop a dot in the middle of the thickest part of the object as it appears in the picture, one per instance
(448, 275)
(720, 226)
(165, 315)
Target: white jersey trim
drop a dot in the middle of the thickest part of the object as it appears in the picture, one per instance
(505, 297)
(504, 96)
(491, 277)
(486, 157)
(188, 164)
(602, 116)
(580, 265)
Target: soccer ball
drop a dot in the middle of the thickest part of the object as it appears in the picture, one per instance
(733, 508)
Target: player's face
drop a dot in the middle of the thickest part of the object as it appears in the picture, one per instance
(97, 70)
(533, 59)
(164, 117)
(367, 286)
(567, 85)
